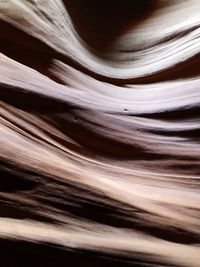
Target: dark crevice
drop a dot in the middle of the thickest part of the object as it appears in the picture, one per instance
(30, 254)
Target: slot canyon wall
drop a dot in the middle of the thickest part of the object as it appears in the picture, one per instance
(100, 133)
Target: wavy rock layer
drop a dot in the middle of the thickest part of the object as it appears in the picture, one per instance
(100, 133)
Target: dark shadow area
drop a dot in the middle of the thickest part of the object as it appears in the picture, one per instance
(190, 113)
(16, 178)
(15, 253)
(26, 49)
(17, 181)
(99, 23)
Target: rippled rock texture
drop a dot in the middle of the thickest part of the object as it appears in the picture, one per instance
(100, 133)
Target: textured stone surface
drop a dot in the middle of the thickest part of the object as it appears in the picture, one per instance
(100, 133)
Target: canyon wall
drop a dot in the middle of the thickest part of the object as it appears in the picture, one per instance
(100, 133)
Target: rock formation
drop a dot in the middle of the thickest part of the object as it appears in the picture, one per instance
(100, 133)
